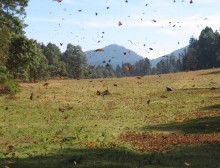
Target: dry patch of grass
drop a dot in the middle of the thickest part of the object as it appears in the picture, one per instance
(206, 114)
(163, 142)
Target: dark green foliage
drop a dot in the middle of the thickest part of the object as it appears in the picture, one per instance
(11, 23)
(4, 44)
(208, 47)
(24, 58)
(53, 56)
(42, 70)
(75, 61)
(142, 67)
(169, 64)
(52, 53)
(190, 61)
(11, 15)
(204, 52)
(99, 72)
(7, 82)
(118, 71)
(201, 54)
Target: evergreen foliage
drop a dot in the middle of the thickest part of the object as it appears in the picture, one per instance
(7, 82)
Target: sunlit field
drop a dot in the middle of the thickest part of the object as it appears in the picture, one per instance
(64, 123)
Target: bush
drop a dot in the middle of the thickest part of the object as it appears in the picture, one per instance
(7, 82)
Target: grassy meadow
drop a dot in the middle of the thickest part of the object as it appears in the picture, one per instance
(64, 123)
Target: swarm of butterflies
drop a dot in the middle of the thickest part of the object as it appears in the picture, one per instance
(120, 24)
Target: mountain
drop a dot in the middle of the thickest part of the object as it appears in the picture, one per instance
(175, 53)
(115, 54)
(112, 54)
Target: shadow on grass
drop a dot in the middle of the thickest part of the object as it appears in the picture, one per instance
(195, 126)
(207, 89)
(118, 158)
(209, 73)
(212, 107)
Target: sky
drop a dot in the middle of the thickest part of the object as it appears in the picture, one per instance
(162, 25)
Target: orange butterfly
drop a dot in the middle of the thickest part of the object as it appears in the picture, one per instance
(99, 50)
(90, 144)
(179, 119)
(127, 68)
(58, 0)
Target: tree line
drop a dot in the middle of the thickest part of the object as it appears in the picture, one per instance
(202, 53)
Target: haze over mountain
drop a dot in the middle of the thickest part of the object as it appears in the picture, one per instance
(112, 54)
(115, 55)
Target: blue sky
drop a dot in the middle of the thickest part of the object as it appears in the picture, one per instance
(50, 21)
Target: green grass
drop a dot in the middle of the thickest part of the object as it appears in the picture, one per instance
(88, 129)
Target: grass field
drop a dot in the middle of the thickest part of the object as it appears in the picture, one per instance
(140, 124)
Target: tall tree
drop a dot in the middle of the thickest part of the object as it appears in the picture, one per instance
(190, 61)
(207, 48)
(118, 71)
(217, 63)
(24, 58)
(53, 55)
(11, 21)
(75, 61)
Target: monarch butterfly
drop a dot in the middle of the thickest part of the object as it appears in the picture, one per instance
(99, 50)
(119, 23)
(58, 0)
(10, 148)
(179, 119)
(127, 68)
(90, 144)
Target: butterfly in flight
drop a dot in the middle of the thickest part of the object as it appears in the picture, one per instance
(99, 50)
(58, 1)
